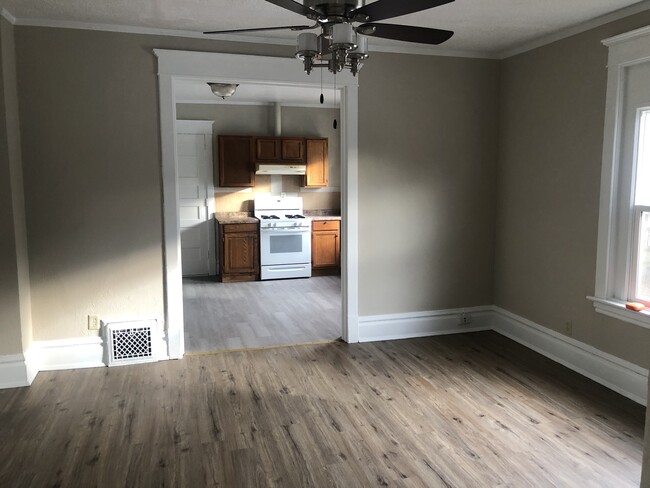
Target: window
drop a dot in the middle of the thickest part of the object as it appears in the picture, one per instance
(640, 276)
(623, 263)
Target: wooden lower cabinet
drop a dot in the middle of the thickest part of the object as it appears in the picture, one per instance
(240, 244)
(325, 247)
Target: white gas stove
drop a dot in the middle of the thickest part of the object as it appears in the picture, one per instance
(285, 237)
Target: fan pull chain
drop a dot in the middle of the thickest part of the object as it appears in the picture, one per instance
(335, 124)
(322, 98)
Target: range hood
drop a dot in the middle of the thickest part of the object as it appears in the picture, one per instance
(281, 169)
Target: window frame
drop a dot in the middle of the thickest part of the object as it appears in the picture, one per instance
(617, 226)
(639, 210)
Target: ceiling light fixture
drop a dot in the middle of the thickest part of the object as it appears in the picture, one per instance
(223, 90)
(340, 44)
(338, 47)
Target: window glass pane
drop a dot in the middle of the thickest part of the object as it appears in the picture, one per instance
(643, 271)
(642, 194)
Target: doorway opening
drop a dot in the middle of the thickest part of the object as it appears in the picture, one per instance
(176, 66)
(277, 281)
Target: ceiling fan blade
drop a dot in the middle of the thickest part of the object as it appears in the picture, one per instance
(296, 7)
(407, 33)
(262, 29)
(387, 9)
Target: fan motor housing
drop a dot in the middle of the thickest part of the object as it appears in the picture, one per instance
(334, 7)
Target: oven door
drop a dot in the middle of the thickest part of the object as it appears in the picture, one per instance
(285, 246)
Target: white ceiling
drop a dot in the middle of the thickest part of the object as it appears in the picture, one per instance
(482, 27)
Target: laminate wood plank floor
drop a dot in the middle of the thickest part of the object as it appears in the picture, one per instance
(471, 410)
(226, 316)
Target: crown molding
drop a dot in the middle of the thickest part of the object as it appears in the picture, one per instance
(642, 32)
(8, 16)
(127, 29)
(577, 29)
(397, 49)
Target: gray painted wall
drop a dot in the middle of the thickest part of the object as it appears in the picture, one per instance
(427, 160)
(645, 475)
(551, 141)
(9, 296)
(92, 175)
(15, 325)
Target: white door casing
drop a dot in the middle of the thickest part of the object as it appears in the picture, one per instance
(226, 68)
(196, 197)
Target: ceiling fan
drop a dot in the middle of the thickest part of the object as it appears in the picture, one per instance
(341, 44)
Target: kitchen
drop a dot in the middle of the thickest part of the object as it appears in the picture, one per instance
(274, 242)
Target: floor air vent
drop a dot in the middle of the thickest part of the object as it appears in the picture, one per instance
(130, 342)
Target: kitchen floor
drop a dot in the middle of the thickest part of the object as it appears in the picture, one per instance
(224, 316)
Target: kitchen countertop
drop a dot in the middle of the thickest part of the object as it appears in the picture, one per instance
(235, 218)
(325, 217)
(327, 214)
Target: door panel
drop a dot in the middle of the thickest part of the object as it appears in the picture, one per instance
(194, 181)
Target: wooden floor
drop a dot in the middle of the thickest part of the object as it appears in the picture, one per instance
(469, 410)
(222, 316)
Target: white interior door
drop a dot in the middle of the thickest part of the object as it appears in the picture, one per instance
(196, 197)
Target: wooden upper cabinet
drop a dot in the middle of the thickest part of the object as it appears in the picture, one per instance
(293, 150)
(316, 173)
(236, 167)
(279, 150)
(267, 149)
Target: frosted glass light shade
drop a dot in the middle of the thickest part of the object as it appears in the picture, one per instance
(307, 44)
(361, 51)
(343, 37)
(223, 90)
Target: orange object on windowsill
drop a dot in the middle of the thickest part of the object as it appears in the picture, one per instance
(636, 306)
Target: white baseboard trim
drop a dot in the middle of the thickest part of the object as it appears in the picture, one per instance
(80, 352)
(14, 371)
(76, 353)
(421, 324)
(616, 374)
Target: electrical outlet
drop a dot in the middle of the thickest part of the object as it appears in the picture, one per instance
(568, 328)
(464, 318)
(93, 322)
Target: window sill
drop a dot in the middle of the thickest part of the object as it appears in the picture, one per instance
(616, 309)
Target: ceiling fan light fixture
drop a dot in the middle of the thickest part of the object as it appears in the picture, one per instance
(358, 55)
(223, 90)
(361, 51)
(342, 45)
(307, 45)
(343, 37)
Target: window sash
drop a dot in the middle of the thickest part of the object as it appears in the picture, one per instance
(639, 210)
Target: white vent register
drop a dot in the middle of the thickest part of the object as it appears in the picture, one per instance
(130, 342)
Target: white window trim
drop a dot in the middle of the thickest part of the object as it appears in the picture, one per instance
(625, 50)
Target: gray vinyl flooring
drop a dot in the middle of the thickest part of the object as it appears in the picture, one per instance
(224, 316)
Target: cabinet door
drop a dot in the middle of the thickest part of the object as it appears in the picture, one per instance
(316, 172)
(267, 149)
(325, 249)
(235, 163)
(239, 252)
(293, 150)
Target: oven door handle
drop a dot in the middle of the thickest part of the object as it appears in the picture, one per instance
(295, 230)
